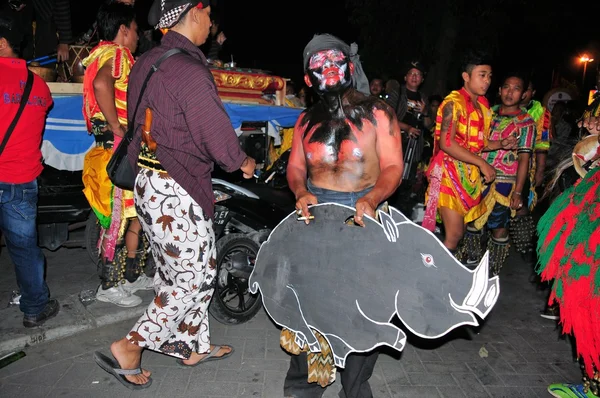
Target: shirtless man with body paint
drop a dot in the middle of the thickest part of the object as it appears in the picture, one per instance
(348, 142)
(346, 149)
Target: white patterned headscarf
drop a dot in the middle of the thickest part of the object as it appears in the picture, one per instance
(172, 16)
(164, 14)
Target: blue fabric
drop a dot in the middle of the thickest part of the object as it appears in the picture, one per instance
(66, 139)
(276, 115)
(65, 127)
(18, 210)
(330, 196)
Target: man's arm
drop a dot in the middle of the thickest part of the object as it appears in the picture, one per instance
(296, 172)
(540, 161)
(104, 90)
(412, 131)
(391, 165)
(516, 200)
(451, 147)
(525, 149)
(209, 124)
(62, 19)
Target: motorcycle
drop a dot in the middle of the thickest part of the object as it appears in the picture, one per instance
(245, 214)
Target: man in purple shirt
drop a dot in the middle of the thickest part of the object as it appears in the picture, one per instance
(190, 131)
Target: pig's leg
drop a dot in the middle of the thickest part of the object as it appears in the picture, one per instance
(287, 311)
(377, 332)
(339, 349)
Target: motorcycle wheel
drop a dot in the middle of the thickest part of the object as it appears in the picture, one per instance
(91, 236)
(232, 303)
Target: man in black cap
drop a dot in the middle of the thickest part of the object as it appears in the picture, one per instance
(346, 149)
(173, 192)
(411, 108)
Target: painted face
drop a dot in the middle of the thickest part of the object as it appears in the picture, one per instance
(329, 71)
(479, 80)
(511, 91)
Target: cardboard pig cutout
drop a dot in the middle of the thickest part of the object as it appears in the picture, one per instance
(347, 282)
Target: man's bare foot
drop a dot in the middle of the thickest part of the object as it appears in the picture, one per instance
(129, 356)
(195, 357)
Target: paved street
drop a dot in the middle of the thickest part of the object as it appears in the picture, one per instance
(516, 353)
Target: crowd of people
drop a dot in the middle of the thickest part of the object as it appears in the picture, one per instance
(479, 169)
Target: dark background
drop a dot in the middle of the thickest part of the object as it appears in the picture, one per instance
(542, 38)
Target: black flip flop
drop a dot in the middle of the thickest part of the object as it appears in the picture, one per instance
(210, 357)
(111, 366)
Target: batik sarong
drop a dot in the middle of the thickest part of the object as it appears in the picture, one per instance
(182, 241)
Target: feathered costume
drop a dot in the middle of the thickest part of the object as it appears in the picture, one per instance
(569, 254)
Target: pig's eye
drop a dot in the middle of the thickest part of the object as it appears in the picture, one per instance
(428, 260)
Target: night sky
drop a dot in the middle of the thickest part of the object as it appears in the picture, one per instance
(262, 35)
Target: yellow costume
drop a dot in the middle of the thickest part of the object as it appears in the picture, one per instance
(452, 183)
(106, 200)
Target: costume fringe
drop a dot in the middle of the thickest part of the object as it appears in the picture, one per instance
(569, 254)
(321, 365)
(498, 253)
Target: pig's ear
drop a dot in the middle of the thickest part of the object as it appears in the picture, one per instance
(397, 216)
(389, 226)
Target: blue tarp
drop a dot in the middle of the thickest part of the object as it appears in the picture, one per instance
(281, 116)
(66, 140)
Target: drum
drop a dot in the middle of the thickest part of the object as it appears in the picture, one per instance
(72, 70)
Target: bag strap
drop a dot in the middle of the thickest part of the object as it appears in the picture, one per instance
(24, 99)
(129, 135)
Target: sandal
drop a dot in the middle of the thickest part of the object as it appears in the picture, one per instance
(112, 367)
(210, 357)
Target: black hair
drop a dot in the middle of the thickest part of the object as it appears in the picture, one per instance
(435, 97)
(10, 29)
(110, 18)
(473, 58)
(519, 75)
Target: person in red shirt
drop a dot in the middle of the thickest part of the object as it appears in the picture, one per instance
(20, 164)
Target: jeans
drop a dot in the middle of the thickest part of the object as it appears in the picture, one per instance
(18, 211)
(359, 367)
(328, 196)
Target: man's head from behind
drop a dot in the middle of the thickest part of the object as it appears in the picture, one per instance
(116, 23)
(512, 90)
(190, 18)
(477, 72)
(528, 94)
(11, 35)
(327, 64)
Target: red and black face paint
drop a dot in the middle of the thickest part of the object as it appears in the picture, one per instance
(329, 71)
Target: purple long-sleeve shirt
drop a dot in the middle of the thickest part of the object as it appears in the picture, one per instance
(190, 125)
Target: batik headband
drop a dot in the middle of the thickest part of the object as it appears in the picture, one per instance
(169, 18)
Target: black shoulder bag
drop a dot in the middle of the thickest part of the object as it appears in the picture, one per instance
(24, 100)
(118, 168)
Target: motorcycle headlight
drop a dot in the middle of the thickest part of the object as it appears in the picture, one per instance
(220, 196)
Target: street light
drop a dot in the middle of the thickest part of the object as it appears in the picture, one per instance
(584, 59)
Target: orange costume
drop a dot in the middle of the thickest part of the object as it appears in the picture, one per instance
(452, 183)
(111, 205)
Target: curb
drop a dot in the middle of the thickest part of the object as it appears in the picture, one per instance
(72, 319)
